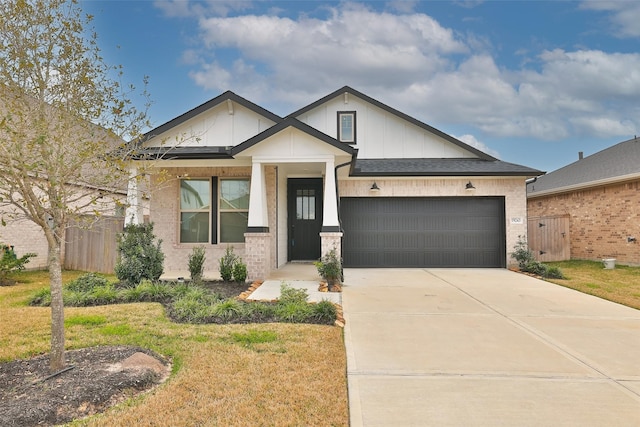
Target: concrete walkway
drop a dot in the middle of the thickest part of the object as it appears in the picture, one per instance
(453, 347)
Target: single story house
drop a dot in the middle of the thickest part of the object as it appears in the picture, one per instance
(346, 172)
(600, 197)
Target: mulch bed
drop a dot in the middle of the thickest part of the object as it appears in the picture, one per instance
(100, 378)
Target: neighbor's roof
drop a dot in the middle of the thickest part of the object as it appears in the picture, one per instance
(620, 162)
(440, 167)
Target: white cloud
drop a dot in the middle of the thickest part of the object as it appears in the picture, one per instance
(411, 62)
(473, 141)
(624, 17)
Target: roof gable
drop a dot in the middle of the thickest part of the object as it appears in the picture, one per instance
(616, 163)
(226, 97)
(348, 91)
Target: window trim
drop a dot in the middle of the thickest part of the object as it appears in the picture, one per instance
(219, 210)
(181, 211)
(339, 121)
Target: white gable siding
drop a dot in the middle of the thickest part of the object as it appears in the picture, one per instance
(215, 128)
(291, 143)
(380, 134)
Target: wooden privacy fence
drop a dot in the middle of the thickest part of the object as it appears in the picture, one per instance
(548, 237)
(91, 244)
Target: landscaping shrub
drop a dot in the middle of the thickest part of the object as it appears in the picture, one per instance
(227, 261)
(528, 263)
(226, 310)
(87, 283)
(231, 267)
(240, 271)
(139, 256)
(325, 312)
(10, 263)
(196, 263)
(329, 267)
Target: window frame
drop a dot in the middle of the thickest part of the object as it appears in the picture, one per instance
(340, 138)
(220, 210)
(212, 205)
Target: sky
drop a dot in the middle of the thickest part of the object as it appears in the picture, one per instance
(529, 82)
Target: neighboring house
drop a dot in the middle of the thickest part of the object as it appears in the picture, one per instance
(600, 197)
(345, 172)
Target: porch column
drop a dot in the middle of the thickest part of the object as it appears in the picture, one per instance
(330, 203)
(257, 239)
(133, 212)
(258, 220)
(330, 235)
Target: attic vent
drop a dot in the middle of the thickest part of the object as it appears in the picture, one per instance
(230, 106)
(346, 97)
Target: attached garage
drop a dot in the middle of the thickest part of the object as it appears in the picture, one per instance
(448, 232)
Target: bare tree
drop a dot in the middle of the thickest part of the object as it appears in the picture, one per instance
(64, 117)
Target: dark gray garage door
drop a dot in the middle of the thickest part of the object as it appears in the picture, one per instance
(423, 232)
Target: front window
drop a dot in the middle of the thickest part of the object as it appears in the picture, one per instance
(234, 209)
(347, 126)
(195, 209)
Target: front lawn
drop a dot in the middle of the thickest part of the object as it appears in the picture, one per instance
(232, 375)
(621, 284)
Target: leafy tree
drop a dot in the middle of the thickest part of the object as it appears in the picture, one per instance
(63, 117)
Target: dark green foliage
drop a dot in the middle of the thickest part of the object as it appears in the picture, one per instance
(139, 256)
(329, 267)
(528, 263)
(196, 263)
(232, 267)
(87, 283)
(240, 271)
(325, 312)
(194, 303)
(10, 263)
(227, 262)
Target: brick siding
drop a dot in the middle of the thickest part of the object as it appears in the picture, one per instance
(601, 219)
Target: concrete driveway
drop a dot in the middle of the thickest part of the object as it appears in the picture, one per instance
(486, 347)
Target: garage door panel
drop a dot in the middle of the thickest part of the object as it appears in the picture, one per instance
(423, 232)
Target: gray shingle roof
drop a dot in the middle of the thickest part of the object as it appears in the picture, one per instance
(618, 161)
(439, 167)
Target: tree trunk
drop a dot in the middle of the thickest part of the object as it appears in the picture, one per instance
(56, 359)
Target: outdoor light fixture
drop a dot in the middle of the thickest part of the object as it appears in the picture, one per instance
(470, 186)
(375, 187)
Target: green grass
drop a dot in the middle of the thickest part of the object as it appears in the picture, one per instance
(621, 284)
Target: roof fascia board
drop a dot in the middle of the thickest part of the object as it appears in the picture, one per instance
(395, 112)
(583, 185)
(226, 96)
(453, 174)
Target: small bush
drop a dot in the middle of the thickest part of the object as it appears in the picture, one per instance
(240, 271)
(139, 256)
(293, 312)
(329, 267)
(226, 310)
(41, 297)
(87, 283)
(289, 294)
(528, 263)
(325, 312)
(196, 263)
(227, 262)
(10, 263)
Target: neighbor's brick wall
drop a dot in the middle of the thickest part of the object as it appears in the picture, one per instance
(26, 237)
(601, 219)
(512, 188)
